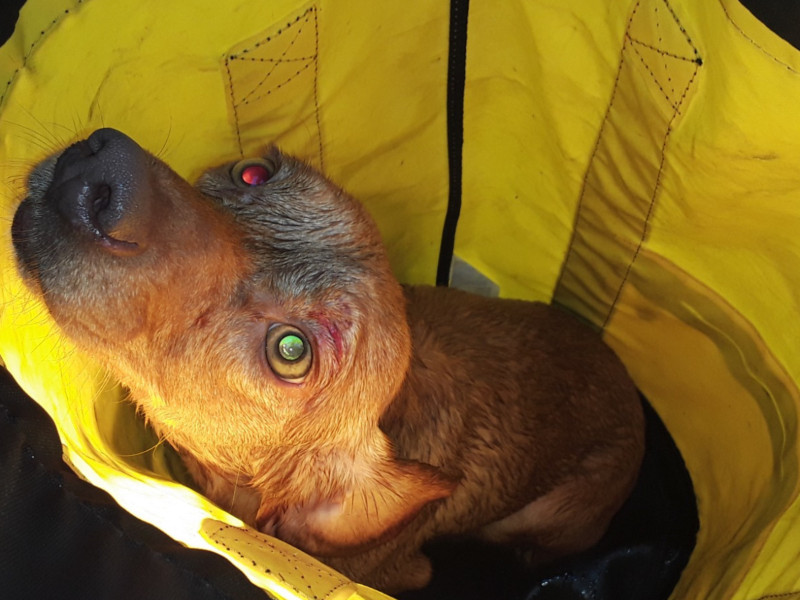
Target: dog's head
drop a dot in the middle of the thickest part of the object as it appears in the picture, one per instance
(254, 317)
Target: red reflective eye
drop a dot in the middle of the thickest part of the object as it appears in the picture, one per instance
(255, 175)
(252, 172)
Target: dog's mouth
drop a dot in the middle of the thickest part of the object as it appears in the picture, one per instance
(115, 243)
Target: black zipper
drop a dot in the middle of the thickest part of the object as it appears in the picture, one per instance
(456, 76)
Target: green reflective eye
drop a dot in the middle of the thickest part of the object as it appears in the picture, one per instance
(291, 347)
(288, 352)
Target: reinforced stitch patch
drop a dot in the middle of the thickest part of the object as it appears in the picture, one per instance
(272, 87)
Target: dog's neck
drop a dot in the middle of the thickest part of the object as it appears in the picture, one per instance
(425, 410)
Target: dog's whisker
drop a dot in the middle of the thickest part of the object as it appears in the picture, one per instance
(149, 450)
(43, 134)
(32, 139)
(235, 491)
(164, 145)
(17, 163)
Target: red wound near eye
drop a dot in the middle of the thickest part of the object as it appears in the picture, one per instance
(255, 174)
(334, 333)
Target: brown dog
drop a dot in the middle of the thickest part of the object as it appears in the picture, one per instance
(259, 327)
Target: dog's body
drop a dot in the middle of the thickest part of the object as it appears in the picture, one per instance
(378, 417)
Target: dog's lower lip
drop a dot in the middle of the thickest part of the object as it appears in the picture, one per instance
(119, 247)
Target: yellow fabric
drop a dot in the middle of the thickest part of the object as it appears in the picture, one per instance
(637, 161)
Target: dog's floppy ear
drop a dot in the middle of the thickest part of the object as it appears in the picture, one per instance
(372, 511)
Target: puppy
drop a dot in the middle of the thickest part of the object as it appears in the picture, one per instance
(257, 323)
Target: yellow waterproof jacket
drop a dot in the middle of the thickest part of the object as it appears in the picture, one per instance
(635, 160)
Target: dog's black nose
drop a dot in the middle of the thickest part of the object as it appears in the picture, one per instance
(96, 187)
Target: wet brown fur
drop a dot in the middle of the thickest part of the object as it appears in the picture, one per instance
(427, 412)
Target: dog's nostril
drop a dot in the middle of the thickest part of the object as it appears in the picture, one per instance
(101, 200)
(96, 187)
(79, 203)
(90, 208)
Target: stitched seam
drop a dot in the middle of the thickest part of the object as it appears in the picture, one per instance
(657, 19)
(317, 114)
(31, 48)
(663, 52)
(593, 156)
(251, 98)
(676, 106)
(741, 31)
(667, 97)
(282, 60)
(657, 187)
(289, 557)
(336, 589)
(277, 62)
(780, 595)
(275, 87)
(681, 27)
(653, 197)
(234, 106)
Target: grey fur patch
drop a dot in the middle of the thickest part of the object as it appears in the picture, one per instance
(305, 233)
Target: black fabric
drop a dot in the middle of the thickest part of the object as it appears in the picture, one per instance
(781, 16)
(640, 558)
(61, 538)
(456, 80)
(9, 11)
